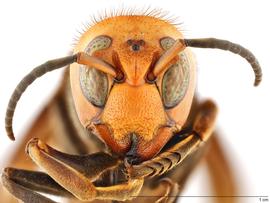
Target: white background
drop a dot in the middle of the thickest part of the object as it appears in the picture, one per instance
(32, 32)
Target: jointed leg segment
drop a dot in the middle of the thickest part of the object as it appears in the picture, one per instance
(77, 178)
(171, 191)
(23, 184)
(202, 129)
(73, 175)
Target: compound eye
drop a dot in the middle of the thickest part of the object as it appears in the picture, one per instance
(176, 79)
(94, 83)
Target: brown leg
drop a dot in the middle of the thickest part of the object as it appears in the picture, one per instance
(182, 172)
(220, 172)
(76, 173)
(163, 190)
(21, 183)
(61, 135)
(171, 191)
(174, 155)
(205, 120)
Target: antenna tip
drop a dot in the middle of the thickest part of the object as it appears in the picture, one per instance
(257, 82)
(11, 136)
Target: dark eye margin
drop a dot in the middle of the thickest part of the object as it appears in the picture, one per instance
(175, 82)
(94, 83)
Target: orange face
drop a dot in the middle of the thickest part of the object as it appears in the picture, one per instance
(135, 117)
